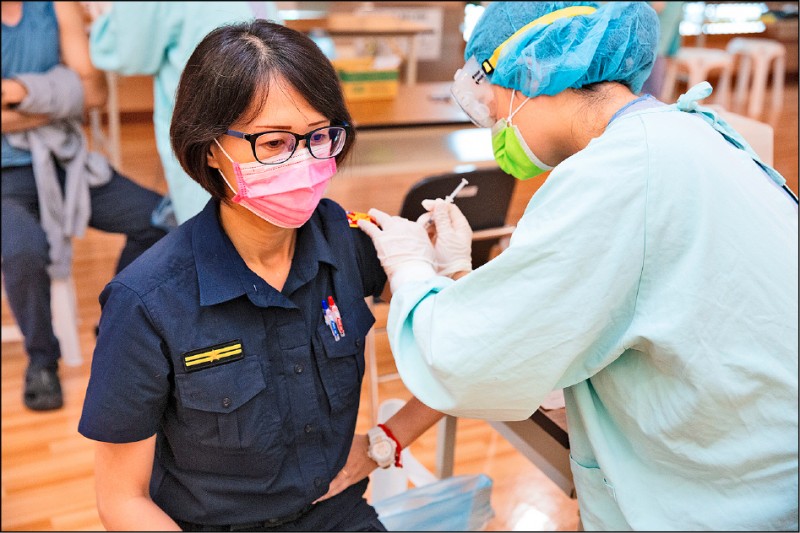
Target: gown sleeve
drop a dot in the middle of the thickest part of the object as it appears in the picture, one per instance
(549, 311)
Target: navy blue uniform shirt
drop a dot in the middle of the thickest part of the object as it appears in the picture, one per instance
(253, 401)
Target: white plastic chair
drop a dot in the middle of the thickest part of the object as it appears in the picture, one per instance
(387, 482)
(107, 143)
(755, 57)
(698, 63)
(759, 135)
(64, 309)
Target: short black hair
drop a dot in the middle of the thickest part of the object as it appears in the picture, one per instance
(230, 68)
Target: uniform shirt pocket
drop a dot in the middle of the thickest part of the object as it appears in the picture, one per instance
(342, 368)
(218, 404)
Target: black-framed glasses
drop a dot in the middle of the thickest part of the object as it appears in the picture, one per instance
(277, 146)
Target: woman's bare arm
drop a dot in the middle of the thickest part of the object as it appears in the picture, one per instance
(122, 482)
(75, 52)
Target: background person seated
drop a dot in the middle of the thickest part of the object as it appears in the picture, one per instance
(52, 186)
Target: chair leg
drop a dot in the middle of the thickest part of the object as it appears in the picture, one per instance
(696, 74)
(724, 87)
(445, 446)
(372, 371)
(757, 88)
(742, 81)
(97, 139)
(779, 72)
(114, 123)
(65, 320)
(64, 309)
(10, 332)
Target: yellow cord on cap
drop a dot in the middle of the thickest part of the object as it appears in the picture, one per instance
(573, 11)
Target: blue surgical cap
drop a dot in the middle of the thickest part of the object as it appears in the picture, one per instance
(618, 42)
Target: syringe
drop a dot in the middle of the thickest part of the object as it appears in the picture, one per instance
(450, 197)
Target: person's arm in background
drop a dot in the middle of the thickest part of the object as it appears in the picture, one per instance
(14, 121)
(411, 421)
(74, 44)
(122, 483)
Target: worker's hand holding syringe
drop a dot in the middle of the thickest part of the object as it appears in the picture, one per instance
(426, 218)
(450, 232)
(413, 251)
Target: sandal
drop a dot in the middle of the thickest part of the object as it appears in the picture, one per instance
(42, 390)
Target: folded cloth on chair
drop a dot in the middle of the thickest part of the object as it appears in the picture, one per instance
(59, 94)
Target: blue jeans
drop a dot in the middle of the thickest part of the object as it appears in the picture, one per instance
(120, 206)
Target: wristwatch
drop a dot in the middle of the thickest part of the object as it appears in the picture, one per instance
(381, 447)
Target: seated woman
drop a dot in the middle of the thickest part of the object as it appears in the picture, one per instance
(222, 394)
(53, 187)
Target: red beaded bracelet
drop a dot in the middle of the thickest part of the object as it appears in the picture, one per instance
(397, 449)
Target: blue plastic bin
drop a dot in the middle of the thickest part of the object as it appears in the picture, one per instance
(458, 503)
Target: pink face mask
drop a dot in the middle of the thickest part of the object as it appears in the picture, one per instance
(285, 194)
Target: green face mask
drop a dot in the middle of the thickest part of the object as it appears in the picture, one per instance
(512, 152)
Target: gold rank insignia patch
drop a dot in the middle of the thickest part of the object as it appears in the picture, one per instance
(216, 355)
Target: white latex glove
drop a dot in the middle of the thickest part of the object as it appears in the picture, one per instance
(403, 247)
(453, 241)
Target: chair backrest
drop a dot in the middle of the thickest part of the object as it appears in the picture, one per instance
(759, 135)
(484, 202)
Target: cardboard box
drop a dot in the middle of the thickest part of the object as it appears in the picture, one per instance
(362, 82)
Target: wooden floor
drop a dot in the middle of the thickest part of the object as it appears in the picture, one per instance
(47, 474)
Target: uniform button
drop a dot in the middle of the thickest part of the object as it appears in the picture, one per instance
(309, 428)
(318, 481)
(298, 369)
(358, 343)
(226, 402)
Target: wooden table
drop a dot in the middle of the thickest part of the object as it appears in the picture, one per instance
(420, 133)
(418, 105)
(543, 439)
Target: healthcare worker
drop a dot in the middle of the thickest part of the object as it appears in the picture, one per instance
(226, 379)
(653, 277)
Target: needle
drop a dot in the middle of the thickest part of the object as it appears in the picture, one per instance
(450, 197)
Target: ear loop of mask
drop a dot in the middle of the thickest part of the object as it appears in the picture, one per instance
(538, 162)
(222, 173)
(511, 105)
